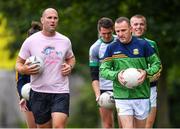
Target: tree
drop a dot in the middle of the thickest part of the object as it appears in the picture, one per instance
(6, 37)
(78, 19)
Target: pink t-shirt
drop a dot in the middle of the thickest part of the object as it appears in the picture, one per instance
(53, 50)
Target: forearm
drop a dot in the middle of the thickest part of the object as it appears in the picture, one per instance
(107, 73)
(96, 89)
(20, 65)
(155, 65)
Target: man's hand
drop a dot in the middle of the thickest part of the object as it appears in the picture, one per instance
(31, 69)
(155, 77)
(121, 78)
(66, 69)
(26, 67)
(142, 76)
(22, 105)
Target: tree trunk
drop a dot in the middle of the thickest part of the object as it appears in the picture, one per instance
(162, 118)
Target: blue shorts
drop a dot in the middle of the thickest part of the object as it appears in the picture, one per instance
(43, 104)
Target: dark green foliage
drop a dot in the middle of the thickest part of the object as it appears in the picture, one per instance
(174, 105)
(85, 111)
(78, 20)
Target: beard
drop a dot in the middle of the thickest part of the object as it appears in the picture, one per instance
(51, 29)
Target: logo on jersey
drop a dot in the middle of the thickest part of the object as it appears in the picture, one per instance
(135, 51)
(51, 55)
(117, 52)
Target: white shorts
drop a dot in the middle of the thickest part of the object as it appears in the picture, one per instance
(153, 96)
(139, 108)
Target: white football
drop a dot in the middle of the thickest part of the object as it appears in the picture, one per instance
(131, 76)
(36, 60)
(25, 91)
(106, 100)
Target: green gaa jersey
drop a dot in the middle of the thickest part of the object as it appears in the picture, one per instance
(136, 54)
(155, 47)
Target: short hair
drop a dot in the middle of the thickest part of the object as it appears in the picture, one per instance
(139, 16)
(122, 19)
(48, 9)
(35, 27)
(105, 22)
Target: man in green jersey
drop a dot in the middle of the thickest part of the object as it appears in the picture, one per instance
(130, 52)
(139, 26)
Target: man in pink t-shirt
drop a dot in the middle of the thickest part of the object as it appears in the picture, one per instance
(49, 96)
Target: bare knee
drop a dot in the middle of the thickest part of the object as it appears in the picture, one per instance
(108, 125)
(45, 125)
